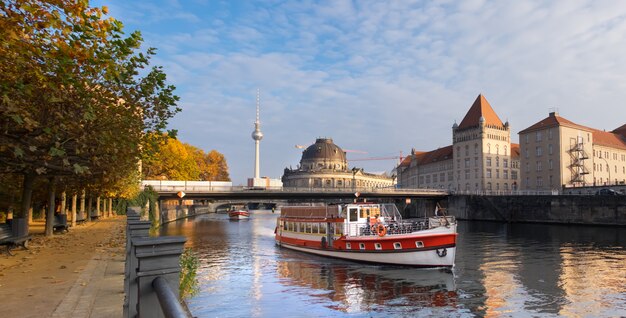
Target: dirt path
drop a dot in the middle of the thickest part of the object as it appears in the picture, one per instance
(34, 282)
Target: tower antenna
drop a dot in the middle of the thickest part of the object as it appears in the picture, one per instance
(257, 135)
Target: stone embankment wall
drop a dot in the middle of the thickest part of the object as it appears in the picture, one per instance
(565, 209)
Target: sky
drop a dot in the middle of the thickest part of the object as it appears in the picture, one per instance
(378, 77)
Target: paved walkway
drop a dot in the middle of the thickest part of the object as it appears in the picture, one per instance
(77, 274)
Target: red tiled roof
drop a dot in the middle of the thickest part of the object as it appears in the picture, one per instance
(440, 154)
(614, 139)
(515, 152)
(553, 120)
(620, 130)
(608, 139)
(480, 108)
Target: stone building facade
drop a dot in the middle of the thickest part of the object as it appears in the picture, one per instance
(556, 152)
(324, 165)
(481, 157)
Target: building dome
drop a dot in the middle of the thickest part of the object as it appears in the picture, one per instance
(324, 165)
(324, 149)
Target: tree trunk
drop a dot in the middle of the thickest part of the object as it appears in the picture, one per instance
(74, 199)
(27, 194)
(51, 206)
(89, 205)
(82, 205)
(110, 207)
(98, 206)
(63, 202)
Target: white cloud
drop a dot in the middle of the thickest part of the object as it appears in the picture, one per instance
(381, 76)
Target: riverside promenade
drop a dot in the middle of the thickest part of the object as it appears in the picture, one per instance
(75, 274)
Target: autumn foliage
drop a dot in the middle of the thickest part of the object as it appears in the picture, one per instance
(174, 160)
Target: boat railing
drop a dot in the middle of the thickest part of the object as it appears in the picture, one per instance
(397, 228)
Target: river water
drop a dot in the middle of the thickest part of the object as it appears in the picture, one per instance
(502, 270)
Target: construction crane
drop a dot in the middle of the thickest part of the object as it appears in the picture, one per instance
(346, 150)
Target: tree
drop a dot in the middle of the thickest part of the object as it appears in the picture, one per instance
(174, 160)
(72, 100)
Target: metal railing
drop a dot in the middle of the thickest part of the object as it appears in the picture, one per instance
(170, 305)
(200, 189)
(151, 272)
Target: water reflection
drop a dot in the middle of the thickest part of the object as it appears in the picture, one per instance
(365, 288)
(501, 270)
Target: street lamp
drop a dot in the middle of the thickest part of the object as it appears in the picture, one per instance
(608, 169)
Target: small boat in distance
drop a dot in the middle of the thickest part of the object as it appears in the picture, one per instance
(368, 232)
(239, 214)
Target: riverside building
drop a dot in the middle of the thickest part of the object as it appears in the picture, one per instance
(558, 153)
(481, 157)
(324, 165)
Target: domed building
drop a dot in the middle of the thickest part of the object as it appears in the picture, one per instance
(324, 165)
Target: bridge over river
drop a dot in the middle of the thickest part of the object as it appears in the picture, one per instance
(236, 193)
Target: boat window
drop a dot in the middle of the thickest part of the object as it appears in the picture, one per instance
(419, 244)
(354, 216)
(291, 226)
(315, 228)
(348, 246)
(362, 246)
(308, 227)
(300, 227)
(378, 246)
(285, 226)
(397, 245)
(339, 230)
(323, 228)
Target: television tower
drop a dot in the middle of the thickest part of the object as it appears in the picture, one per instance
(257, 135)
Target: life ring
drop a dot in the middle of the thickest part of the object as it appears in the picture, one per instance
(442, 252)
(381, 230)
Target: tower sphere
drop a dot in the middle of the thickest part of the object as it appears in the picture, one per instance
(257, 135)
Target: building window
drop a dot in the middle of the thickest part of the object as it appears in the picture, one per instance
(505, 150)
(526, 138)
(538, 136)
(550, 180)
(497, 186)
(467, 174)
(497, 161)
(526, 153)
(550, 164)
(467, 162)
(506, 186)
(466, 150)
(513, 174)
(550, 149)
(505, 174)
(434, 178)
(488, 173)
(527, 167)
(539, 151)
(538, 165)
(497, 174)
(488, 162)
(505, 163)
(475, 149)
(488, 185)
(549, 133)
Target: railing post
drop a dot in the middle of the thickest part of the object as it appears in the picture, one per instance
(134, 229)
(157, 257)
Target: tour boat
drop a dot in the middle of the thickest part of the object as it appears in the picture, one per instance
(238, 215)
(368, 232)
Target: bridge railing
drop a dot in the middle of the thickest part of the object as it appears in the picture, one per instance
(218, 189)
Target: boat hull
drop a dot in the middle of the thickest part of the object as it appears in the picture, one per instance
(238, 215)
(434, 257)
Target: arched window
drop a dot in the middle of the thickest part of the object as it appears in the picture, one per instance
(505, 150)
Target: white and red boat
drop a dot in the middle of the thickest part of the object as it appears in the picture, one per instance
(368, 232)
(238, 215)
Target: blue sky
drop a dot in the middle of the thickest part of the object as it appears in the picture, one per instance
(379, 77)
